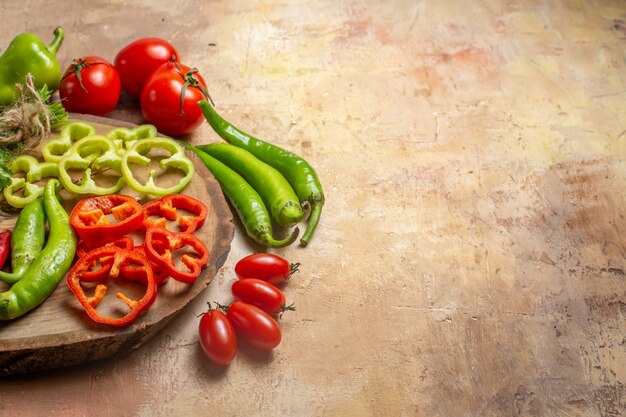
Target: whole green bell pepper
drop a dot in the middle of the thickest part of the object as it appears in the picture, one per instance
(28, 54)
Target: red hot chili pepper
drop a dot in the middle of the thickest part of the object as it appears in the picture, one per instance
(120, 257)
(91, 223)
(160, 244)
(157, 212)
(5, 246)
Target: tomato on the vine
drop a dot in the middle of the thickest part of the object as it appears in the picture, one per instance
(266, 266)
(90, 85)
(137, 60)
(254, 325)
(261, 294)
(217, 337)
(170, 96)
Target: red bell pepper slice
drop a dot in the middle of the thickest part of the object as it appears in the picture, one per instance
(159, 245)
(91, 223)
(135, 273)
(157, 212)
(84, 247)
(120, 257)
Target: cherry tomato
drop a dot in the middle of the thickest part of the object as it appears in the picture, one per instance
(217, 337)
(259, 293)
(254, 325)
(266, 266)
(90, 85)
(161, 102)
(137, 60)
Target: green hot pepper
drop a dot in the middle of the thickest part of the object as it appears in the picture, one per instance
(46, 271)
(29, 235)
(296, 170)
(246, 201)
(279, 197)
(28, 54)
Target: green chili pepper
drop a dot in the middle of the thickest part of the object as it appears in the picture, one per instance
(177, 159)
(279, 197)
(54, 149)
(29, 235)
(92, 152)
(44, 274)
(247, 202)
(28, 54)
(296, 170)
(30, 190)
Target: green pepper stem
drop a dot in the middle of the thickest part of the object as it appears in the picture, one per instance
(316, 212)
(59, 35)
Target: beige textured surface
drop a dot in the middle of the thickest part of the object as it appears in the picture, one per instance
(471, 257)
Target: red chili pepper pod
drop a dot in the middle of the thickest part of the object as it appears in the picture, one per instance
(5, 246)
(85, 247)
(91, 224)
(120, 257)
(157, 212)
(159, 245)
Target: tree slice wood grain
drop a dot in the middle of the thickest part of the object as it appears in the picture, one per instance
(58, 333)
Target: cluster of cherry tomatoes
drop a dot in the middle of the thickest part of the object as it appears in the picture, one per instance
(252, 316)
(148, 69)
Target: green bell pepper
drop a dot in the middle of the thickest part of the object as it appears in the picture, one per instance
(91, 153)
(54, 149)
(33, 171)
(28, 54)
(177, 159)
(124, 138)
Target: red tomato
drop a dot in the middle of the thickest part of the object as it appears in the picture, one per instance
(90, 85)
(137, 60)
(266, 266)
(259, 293)
(161, 102)
(254, 325)
(217, 337)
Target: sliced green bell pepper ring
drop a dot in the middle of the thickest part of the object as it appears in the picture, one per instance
(93, 152)
(177, 159)
(159, 245)
(105, 263)
(124, 138)
(158, 212)
(54, 149)
(89, 220)
(34, 171)
(120, 257)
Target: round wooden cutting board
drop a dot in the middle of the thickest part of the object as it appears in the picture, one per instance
(59, 333)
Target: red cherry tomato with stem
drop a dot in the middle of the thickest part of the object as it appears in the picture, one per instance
(90, 85)
(254, 325)
(217, 337)
(169, 99)
(137, 60)
(261, 294)
(266, 266)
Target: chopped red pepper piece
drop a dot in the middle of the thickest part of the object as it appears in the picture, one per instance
(90, 222)
(120, 258)
(84, 247)
(157, 212)
(159, 245)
